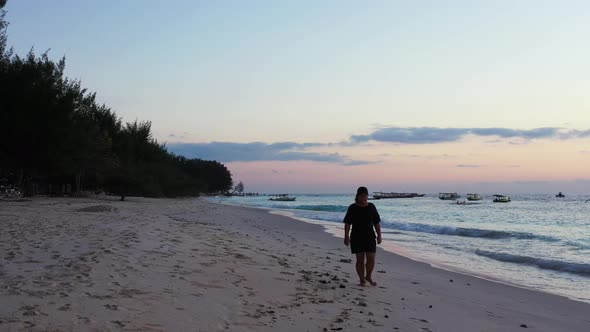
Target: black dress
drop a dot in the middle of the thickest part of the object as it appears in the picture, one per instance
(362, 219)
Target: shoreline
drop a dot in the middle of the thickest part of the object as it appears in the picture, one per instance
(399, 250)
(190, 264)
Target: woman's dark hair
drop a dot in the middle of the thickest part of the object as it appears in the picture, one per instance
(360, 191)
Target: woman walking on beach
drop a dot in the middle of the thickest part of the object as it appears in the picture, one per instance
(364, 219)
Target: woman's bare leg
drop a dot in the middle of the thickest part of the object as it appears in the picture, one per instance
(369, 268)
(360, 267)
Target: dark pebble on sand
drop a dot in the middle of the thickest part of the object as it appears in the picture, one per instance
(346, 260)
(430, 306)
(450, 280)
(342, 286)
(403, 298)
(381, 271)
(386, 316)
(523, 326)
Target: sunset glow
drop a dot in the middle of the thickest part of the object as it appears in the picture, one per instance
(302, 97)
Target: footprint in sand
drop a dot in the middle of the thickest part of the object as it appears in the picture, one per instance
(28, 324)
(113, 307)
(65, 307)
(119, 323)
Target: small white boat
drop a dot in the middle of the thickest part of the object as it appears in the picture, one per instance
(501, 199)
(449, 196)
(282, 198)
(473, 197)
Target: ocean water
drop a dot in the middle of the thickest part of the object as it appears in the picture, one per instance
(536, 241)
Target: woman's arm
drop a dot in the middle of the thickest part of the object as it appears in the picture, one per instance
(378, 229)
(346, 234)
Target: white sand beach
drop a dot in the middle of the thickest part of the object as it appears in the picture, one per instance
(188, 265)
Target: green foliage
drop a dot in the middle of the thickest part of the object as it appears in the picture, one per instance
(54, 133)
(3, 25)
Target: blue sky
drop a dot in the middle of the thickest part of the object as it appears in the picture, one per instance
(474, 91)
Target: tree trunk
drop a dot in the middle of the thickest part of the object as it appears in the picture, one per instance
(21, 174)
(78, 180)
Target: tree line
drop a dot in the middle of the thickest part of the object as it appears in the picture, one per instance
(54, 133)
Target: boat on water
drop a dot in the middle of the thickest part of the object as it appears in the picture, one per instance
(282, 198)
(380, 195)
(473, 197)
(448, 196)
(501, 199)
(560, 195)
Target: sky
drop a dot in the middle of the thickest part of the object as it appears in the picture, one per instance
(325, 96)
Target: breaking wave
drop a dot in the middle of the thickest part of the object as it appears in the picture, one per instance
(547, 264)
(467, 232)
(326, 208)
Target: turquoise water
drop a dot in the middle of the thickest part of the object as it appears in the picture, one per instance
(536, 241)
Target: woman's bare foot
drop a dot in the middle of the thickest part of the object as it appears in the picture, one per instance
(373, 283)
(362, 283)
